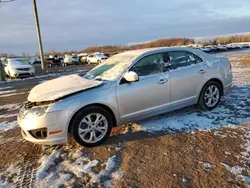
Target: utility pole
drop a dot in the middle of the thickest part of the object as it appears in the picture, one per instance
(39, 36)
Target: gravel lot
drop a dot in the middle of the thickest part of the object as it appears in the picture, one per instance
(185, 148)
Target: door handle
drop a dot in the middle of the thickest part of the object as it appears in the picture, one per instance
(162, 81)
(202, 72)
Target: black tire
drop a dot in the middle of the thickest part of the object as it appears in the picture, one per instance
(202, 104)
(79, 117)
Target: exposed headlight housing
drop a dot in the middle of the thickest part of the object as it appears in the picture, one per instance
(36, 111)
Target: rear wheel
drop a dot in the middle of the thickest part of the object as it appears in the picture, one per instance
(210, 95)
(92, 126)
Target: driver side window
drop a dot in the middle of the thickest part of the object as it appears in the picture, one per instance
(149, 65)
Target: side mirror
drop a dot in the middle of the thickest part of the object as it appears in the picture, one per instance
(131, 76)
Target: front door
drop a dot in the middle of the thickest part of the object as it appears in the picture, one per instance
(148, 96)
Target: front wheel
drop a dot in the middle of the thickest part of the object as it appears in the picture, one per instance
(92, 126)
(210, 96)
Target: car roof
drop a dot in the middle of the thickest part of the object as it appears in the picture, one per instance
(16, 59)
(155, 50)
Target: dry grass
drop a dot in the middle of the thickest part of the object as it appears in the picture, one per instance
(246, 61)
(177, 161)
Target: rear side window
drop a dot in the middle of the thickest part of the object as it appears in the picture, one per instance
(183, 59)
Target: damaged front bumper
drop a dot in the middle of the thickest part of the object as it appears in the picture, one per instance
(48, 129)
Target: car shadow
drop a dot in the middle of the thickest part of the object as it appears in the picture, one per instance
(233, 110)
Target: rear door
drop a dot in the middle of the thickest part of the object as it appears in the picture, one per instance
(187, 71)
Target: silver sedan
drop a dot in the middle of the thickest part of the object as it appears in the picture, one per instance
(127, 87)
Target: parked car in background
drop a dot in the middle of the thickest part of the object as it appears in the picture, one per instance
(127, 87)
(96, 58)
(3, 60)
(245, 45)
(70, 60)
(36, 61)
(211, 48)
(205, 49)
(53, 61)
(61, 59)
(107, 55)
(82, 57)
(222, 48)
(15, 68)
(75, 59)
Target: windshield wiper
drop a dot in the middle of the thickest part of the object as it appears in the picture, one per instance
(98, 79)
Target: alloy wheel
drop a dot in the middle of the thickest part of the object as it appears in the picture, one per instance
(93, 127)
(212, 96)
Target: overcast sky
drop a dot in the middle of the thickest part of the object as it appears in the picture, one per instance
(76, 24)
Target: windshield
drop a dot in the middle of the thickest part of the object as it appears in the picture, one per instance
(19, 62)
(111, 68)
(101, 56)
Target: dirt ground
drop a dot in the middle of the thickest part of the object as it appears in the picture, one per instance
(201, 149)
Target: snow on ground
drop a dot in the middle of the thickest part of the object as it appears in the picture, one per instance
(5, 88)
(240, 74)
(5, 125)
(242, 170)
(12, 94)
(207, 166)
(8, 91)
(10, 107)
(3, 184)
(42, 81)
(234, 109)
(64, 168)
(5, 116)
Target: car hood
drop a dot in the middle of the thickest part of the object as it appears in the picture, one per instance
(61, 87)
